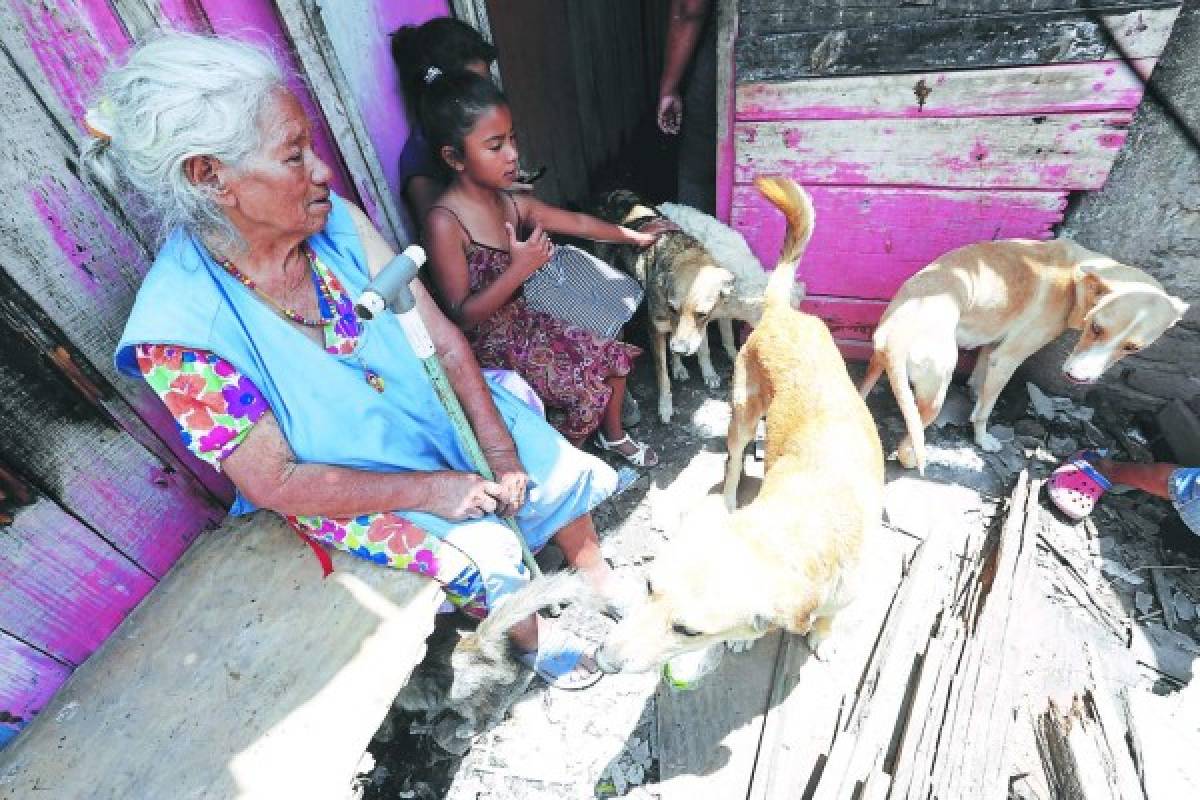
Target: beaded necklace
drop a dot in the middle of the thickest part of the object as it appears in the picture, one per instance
(373, 378)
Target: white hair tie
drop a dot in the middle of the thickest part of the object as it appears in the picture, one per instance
(432, 74)
(98, 121)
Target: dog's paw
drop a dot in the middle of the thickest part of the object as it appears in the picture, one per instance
(989, 443)
(739, 645)
(678, 371)
(665, 409)
(712, 380)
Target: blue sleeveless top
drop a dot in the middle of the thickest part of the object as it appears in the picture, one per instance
(325, 408)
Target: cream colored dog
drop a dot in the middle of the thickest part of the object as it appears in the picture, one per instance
(1009, 298)
(785, 560)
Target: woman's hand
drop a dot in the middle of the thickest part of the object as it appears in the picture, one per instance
(461, 495)
(512, 479)
(530, 255)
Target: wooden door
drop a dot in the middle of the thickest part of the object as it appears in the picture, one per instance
(921, 127)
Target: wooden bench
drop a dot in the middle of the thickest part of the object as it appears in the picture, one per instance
(242, 674)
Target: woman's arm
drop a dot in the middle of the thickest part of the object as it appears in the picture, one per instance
(265, 471)
(571, 223)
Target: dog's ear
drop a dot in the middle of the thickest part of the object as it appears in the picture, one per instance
(1094, 288)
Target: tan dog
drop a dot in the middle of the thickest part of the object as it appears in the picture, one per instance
(1010, 299)
(784, 560)
(704, 272)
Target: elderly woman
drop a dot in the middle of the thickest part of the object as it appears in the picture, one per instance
(245, 328)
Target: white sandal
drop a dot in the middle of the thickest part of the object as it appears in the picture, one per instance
(640, 457)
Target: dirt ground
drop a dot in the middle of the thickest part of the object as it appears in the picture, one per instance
(602, 742)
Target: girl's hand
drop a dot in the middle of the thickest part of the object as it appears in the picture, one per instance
(643, 238)
(530, 255)
(462, 495)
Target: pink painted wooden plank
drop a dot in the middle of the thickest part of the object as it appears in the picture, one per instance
(1060, 88)
(257, 21)
(847, 317)
(74, 41)
(1056, 151)
(65, 589)
(27, 681)
(868, 240)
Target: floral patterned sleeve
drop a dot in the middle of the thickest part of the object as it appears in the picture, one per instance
(214, 405)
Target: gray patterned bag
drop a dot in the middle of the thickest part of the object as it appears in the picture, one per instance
(579, 288)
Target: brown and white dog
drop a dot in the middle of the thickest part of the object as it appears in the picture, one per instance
(701, 273)
(1009, 298)
(786, 559)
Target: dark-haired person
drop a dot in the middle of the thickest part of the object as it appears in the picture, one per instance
(421, 53)
(485, 242)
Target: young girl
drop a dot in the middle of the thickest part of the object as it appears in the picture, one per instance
(480, 256)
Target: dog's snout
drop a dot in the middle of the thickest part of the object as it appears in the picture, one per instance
(682, 347)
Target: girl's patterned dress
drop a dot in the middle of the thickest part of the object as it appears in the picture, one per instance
(215, 408)
(566, 365)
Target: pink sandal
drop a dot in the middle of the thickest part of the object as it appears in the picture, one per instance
(1077, 486)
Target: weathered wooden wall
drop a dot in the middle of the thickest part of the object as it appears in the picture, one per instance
(922, 127)
(580, 75)
(98, 496)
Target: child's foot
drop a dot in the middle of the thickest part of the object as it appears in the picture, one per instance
(637, 453)
(1077, 486)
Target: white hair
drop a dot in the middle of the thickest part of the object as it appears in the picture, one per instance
(181, 95)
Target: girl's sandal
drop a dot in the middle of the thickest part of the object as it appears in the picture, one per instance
(642, 455)
(561, 659)
(1077, 486)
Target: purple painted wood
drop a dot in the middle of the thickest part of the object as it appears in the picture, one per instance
(868, 240)
(74, 41)
(257, 21)
(360, 35)
(65, 588)
(1055, 89)
(27, 681)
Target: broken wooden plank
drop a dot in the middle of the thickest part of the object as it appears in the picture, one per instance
(709, 736)
(243, 674)
(1057, 89)
(866, 734)
(1053, 151)
(1162, 588)
(809, 697)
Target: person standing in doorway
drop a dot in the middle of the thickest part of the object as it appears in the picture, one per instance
(687, 99)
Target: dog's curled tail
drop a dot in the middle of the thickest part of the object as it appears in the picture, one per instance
(561, 587)
(787, 195)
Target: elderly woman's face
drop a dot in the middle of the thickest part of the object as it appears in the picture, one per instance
(284, 187)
